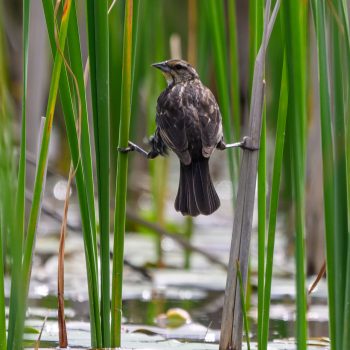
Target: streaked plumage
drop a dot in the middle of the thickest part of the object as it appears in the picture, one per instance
(189, 123)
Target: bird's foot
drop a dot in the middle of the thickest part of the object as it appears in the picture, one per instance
(247, 143)
(130, 148)
(133, 147)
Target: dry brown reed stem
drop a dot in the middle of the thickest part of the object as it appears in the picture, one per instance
(232, 316)
(63, 340)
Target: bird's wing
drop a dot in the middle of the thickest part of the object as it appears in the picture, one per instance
(209, 121)
(173, 132)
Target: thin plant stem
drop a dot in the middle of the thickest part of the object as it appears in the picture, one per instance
(244, 309)
(341, 228)
(235, 71)
(86, 207)
(3, 342)
(261, 222)
(294, 27)
(63, 341)
(16, 242)
(40, 174)
(188, 235)
(100, 95)
(20, 200)
(84, 144)
(276, 179)
(328, 168)
(121, 180)
(62, 330)
(257, 24)
(231, 331)
(346, 334)
(216, 19)
(97, 25)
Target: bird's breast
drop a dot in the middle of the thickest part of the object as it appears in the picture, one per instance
(180, 108)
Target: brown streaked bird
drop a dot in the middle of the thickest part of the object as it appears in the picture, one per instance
(188, 122)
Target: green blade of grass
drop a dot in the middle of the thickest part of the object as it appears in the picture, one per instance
(7, 185)
(7, 173)
(346, 336)
(7, 210)
(188, 234)
(340, 212)
(202, 43)
(276, 179)
(234, 71)
(135, 37)
(102, 73)
(345, 22)
(16, 242)
(256, 14)
(298, 187)
(294, 23)
(77, 67)
(39, 178)
(121, 180)
(217, 20)
(256, 18)
(158, 167)
(85, 189)
(318, 9)
(115, 57)
(99, 72)
(20, 200)
(261, 221)
(3, 343)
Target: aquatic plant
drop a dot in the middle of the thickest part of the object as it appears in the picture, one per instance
(117, 75)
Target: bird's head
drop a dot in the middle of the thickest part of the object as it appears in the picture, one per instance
(176, 71)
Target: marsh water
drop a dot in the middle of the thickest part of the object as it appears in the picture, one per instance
(150, 291)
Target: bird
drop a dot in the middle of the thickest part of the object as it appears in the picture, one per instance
(188, 122)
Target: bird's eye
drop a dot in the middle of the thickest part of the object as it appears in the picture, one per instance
(178, 66)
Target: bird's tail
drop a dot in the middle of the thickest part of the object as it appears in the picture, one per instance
(196, 194)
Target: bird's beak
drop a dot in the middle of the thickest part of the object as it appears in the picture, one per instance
(162, 66)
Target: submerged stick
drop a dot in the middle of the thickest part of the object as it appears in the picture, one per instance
(62, 330)
(232, 317)
(318, 278)
(178, 238)
(37, 343)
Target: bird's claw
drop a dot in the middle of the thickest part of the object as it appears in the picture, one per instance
(130, 148)
(133, 147)
(248, 144)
